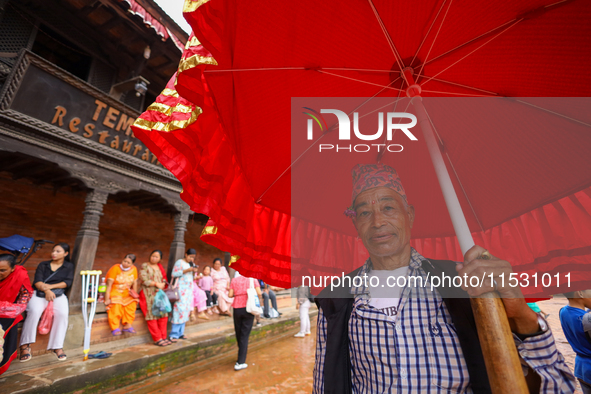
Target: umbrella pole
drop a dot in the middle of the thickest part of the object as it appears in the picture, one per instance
(498, 347)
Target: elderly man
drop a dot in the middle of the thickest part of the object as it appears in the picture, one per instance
(412, 339)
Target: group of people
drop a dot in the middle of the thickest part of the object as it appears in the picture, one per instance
(207, 292)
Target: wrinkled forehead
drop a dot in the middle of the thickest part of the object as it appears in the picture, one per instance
(378, 194)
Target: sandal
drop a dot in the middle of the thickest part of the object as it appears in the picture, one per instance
(130, 330)
(26, 356)
(62, 356)
(183, 337)
(160, 342)
(173, 340)
(100, 355)
(116, 332)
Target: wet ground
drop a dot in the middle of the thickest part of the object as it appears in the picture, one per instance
(285, 366)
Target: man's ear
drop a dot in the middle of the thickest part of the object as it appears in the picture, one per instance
(411, 214)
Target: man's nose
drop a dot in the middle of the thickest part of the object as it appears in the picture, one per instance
(378, 218)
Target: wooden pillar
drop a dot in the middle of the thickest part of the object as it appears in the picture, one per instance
(177, 248)
(86, 243)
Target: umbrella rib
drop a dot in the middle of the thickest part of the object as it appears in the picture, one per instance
(359, 80)
(463, 57)
(553, 113)
(387, 35)
(354, 69)
(433, 43)
(455, 172)
(469, 41)
(426, 35)
(294, 68)
(463, 86)
(314, 143)
(553, 5)
(459, 94)
(254, 69)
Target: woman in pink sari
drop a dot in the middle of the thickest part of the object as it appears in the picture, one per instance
(221, 286)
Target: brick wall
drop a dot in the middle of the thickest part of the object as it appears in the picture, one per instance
(38, 211)
(125, 229)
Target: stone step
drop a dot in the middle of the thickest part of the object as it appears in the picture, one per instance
(101, 332)
(134, 363)
(102, 339)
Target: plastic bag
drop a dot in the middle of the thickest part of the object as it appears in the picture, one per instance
(253, 305)
(46, 320)
(8, 310)
(161, 304)
(273, 313)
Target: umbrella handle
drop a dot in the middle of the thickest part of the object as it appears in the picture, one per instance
(502, 362)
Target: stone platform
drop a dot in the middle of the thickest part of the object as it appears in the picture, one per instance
(135, 357)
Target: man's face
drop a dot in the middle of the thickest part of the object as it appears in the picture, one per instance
(382, 222)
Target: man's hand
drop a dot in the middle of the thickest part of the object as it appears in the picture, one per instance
(159, 285)
(522, 319)
(49, 295)
(297, 306)
(107, 301)
(43, 287)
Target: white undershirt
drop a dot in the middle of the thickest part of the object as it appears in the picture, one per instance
(386, 295)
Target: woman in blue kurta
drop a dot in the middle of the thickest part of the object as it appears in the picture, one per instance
(183, 273)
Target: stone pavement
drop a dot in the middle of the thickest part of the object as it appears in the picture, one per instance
(553, 307)
(282, 365)
(207, 357)
(128, 365)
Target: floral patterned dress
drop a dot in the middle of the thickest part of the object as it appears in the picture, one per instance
(148, 273)
(183, 307)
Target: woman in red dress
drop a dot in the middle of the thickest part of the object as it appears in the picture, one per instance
(15, 293)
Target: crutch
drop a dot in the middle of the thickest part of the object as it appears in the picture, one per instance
(90, 279)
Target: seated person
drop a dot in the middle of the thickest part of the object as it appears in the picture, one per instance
(119, 299)
(268, 293)
(52, 280)
(15, 293)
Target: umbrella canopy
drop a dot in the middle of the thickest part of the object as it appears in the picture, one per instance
(248, 60)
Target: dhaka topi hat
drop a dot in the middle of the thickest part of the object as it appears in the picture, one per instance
(369, 176)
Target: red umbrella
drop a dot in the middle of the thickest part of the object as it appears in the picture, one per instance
(250, 60)
(263, 55)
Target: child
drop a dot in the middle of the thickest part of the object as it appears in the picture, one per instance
(199, 300)
(206, 283)
(574, 320)
(303, 304)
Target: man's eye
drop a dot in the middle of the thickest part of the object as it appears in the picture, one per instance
(364, 213)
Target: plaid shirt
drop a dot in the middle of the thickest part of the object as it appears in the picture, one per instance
(421, 352)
